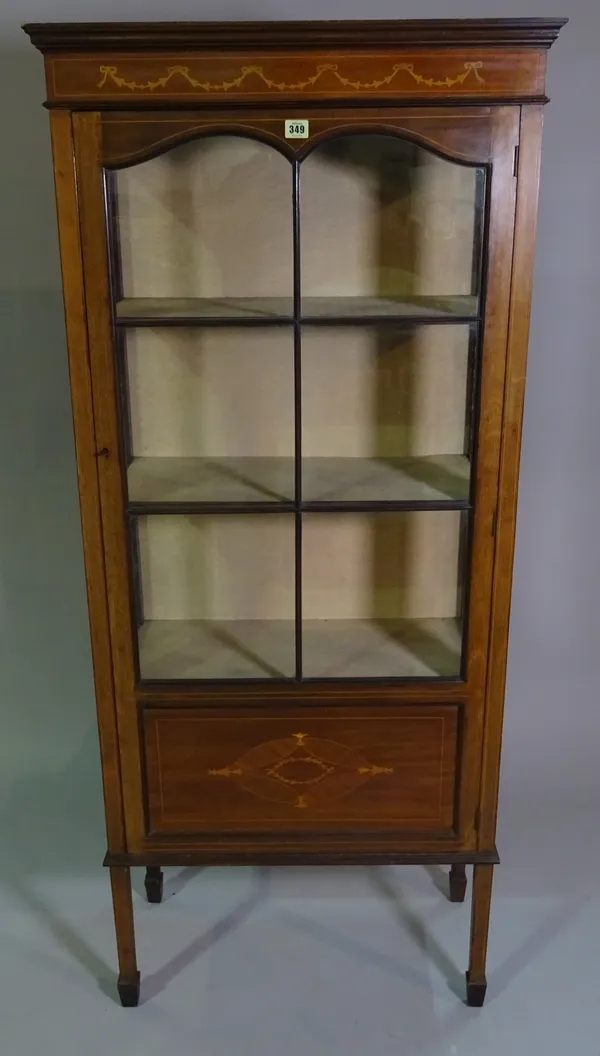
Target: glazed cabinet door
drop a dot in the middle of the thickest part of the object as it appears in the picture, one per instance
(297, 332)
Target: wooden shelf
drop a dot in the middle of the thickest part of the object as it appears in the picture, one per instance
(429, 309)
(183, 311)
(232, 649)
(381, 649)
(215, 480)
(429, 479)
(151, 311)
(202, 649)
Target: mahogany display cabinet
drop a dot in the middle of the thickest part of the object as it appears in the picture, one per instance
(297, 265)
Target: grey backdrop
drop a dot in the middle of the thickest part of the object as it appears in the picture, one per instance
(51, 793)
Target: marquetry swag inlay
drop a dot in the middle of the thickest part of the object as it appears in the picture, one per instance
(110, 75)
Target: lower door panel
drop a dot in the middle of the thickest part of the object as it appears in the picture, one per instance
(316, 770)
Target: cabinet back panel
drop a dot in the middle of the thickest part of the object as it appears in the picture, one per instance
(211, 218)
(381, 216)
(203, 392)
(355, 566)
(384, 392)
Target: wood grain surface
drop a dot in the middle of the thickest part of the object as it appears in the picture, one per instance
(292, 772)
(300, 771)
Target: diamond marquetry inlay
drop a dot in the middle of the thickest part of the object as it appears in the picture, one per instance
(301, 770)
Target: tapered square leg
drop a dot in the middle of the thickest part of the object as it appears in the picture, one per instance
(480, 921)
(128, 983)
(154, 883)
(458, 883)
(476, 992)
(129, 991)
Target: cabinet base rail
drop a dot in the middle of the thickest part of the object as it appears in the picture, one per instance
(296, 856)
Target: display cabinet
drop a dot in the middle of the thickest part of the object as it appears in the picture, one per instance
(297, 266)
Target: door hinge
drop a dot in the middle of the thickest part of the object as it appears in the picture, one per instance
(516, 160)
(494, 522)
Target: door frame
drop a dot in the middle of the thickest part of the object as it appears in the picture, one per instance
(485, 135)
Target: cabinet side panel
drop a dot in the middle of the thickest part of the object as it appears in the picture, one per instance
(87, 471)
(499, 256)
(87, 133)
(522, 273)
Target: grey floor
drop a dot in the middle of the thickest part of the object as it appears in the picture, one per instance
(299, 961)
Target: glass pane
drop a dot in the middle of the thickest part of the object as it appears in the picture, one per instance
(216, 597)
(384, 413)
(206, 229)
(211, 414)
(382, 594)
(388, 228)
